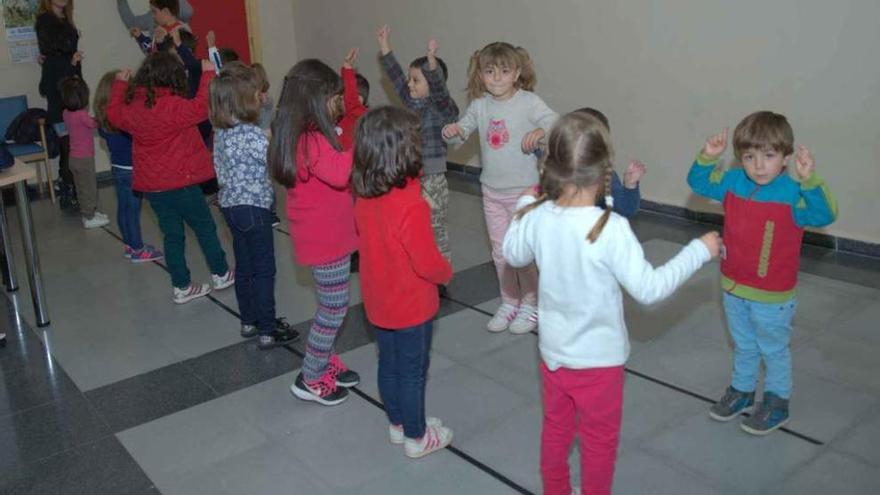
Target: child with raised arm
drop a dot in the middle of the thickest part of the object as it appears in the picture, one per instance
(423, 90)
(765, 212)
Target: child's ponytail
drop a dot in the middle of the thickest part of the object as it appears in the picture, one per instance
(527, 76)
(475, 87)
(609, 205)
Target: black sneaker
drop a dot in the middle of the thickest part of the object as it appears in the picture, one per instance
(732, 405)
(248, 331)
(275, 220)
(2, 340)
(355, 262)
(324, 391)
(344, 376)
(278, 338)
(443, 291)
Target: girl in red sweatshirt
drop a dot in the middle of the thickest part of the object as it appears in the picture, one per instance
(170, 161)
(305, 156)
(401, 268)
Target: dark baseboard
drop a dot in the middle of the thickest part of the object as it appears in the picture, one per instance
(818, 239)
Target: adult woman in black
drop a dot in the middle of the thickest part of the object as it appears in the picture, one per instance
(58, 39)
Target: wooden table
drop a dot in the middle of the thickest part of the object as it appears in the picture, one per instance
(18, 176)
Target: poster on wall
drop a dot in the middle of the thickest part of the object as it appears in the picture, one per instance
(19, 18)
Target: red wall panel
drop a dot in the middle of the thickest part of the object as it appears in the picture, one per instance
(228, 19)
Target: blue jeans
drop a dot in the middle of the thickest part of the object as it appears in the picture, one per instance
(403, 370)
(254, 246)
(128, 208)
(760, 331)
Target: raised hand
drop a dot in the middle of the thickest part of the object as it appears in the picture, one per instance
(159, 34)
(123, 75)
(433, 46)
(135, 32)
(452, 130)
(384, 37)
(804, 163)
(76, 58)
(716, 144)
(532, 140)
(350, 58)
(634, 173)
(211, 39)
(175, 36)
(713, 242)
(208, 66)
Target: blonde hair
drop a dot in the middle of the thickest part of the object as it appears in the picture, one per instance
(46, 8)
(102, 99)
(500, 54)
(579, 153)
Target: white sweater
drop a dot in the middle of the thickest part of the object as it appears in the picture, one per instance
(580, 306)
(502, 126)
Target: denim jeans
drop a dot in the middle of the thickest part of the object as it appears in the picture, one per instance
(403, 370)
(254, 246)
(172, 209)
(760, 331)
(128, 208)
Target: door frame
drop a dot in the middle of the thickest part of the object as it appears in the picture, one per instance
(252, 10)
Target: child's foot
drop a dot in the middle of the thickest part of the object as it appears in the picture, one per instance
(501, 320)
(442, 291)
(395, 432)
(771, 414)
(344, 376)
(248, 331)
(435, 438)
(223, 281)
(732, 405)
(526, 320)
(194, 291)
(126, 251)
(94, 222)
(101, 215)
(283, 334)
(145, 254)
(323, 391)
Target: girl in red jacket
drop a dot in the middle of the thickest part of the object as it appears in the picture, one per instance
(401, 268)
(170, 161)
(306, 157)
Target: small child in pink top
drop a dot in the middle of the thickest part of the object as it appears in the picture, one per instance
(81, 127)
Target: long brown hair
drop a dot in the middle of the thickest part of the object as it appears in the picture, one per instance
(500, 54)
(46, 8)
(159, 70)
(102, 99)
(387, 151)
(579, 153)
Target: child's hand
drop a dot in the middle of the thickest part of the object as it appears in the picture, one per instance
(634, 173)
(384, 37)
(159, 34)
(348, 61)
(135, 32)
(534, 191)
(76, 58)
(433, 46)
(452, 130)
(713, 243)
(208, 66)
(805, 165)
(532, 140)
(175, 36)
(123, 75)
(211, 39)
(716, 144)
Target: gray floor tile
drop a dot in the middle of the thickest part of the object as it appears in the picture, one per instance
(822, 409)
(463, 336)
(833, 473)
(724, 452)
(649, 408)
(515, 366)
(639, 473)
(863, 438)
(242, 365)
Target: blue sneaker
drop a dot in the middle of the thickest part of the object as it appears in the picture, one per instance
(732, 405)
(770, 415)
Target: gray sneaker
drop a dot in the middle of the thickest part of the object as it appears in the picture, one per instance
(732, 405)
(771, 414)
(248, 331)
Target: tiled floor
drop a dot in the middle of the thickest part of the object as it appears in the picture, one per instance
(127, 393)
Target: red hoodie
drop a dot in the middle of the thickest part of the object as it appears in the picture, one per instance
(400, 266)
(168, 151)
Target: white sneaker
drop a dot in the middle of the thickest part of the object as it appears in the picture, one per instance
(102, 215)
(526, 320)
(223, 281)
(435, 438)
(503, 316)
(395, 433)
(187, 294)
(95, 222)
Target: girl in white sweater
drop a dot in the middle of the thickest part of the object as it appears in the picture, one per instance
(584, 254)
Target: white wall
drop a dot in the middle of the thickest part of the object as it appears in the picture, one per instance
(666, 73)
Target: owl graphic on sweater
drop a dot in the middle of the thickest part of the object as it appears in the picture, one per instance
(496, 134)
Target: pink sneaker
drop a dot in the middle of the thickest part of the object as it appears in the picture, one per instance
(145, 254)
(344, 377)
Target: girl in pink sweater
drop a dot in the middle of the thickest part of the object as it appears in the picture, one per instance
(306, 157)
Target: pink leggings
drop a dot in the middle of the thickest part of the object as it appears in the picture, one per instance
(518, 285)
(588, 402)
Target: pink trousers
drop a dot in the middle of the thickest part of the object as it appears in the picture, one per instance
(588, 402)
(518, 285)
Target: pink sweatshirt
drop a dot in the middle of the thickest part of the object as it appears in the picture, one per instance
(320, 206)
(80, 126)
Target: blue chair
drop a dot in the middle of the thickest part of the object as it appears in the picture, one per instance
(10, 108)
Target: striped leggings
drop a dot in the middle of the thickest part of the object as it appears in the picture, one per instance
(331, 285)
